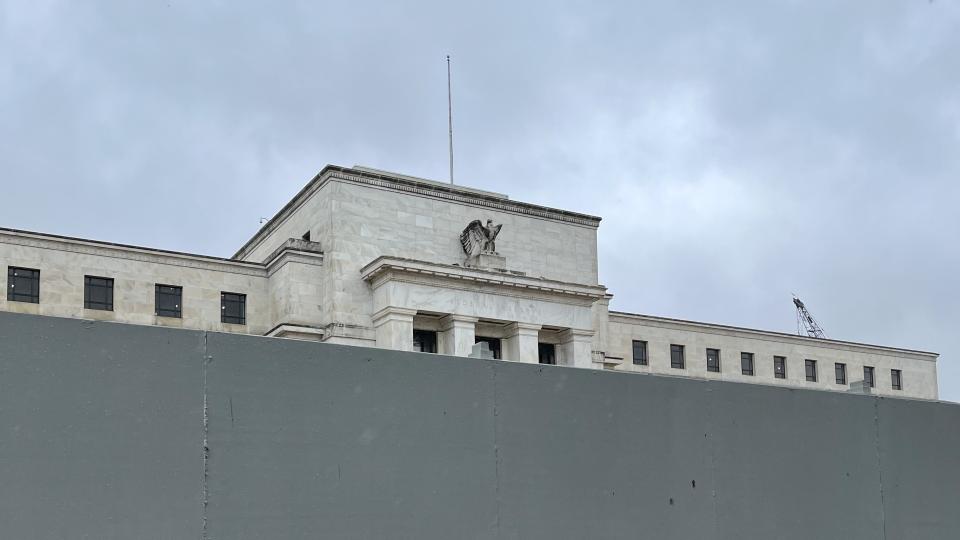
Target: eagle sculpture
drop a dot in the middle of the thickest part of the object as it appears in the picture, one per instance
(477, 238)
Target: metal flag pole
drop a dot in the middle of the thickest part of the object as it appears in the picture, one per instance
(450, 116)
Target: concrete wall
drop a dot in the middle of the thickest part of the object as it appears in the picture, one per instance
(63, 263)
(117, 431)
(919, 369)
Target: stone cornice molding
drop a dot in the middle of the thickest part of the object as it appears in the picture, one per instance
(294, 250)
(766, 335)
(423, 188)
(385, 268)
(133, 253)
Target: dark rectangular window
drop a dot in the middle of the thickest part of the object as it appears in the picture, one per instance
(425, 341)
(494, 344)
(98, 293)
(811, 368)
(640, 353)
(713, 360)
(868, 376)
(779, 367)
(746, 363)
(169, 301)
(23, 285)
(676, 356)
(233, 308)
(840, 371)
(548, 353)
(896, 379)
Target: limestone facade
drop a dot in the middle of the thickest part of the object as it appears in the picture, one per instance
(370, 258)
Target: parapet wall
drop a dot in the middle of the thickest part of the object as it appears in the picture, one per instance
(120, 431)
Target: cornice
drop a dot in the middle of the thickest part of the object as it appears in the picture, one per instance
(768, 335)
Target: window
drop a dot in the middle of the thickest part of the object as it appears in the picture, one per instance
(233, 308)
(840, 371)
(896, 379)
(713, 360)
(811, 368)
(746, 363)
(494, 344)
(548, 353)
(676, 356)
(169, 300)
(779, 367)
(23, 285)
(639, 353)
(98, 293)
(868, 376)
(425, 341)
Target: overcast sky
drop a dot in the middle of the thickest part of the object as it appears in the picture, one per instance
(737, 152)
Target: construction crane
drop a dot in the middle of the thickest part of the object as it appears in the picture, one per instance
(806, 322)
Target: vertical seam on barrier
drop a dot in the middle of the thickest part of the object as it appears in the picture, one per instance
(204, 533)
(876, 425)
(496, 447)
(713, 458)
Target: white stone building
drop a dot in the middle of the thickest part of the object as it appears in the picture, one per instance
(370, 258)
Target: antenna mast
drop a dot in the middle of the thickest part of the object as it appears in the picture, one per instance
(806, 322)
(450, 116)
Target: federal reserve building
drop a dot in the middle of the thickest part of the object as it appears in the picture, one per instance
(369, 258)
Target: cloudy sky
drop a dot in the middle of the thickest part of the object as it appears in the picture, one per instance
(737, 152)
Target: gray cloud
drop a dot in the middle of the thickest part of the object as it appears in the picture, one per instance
(737, 155)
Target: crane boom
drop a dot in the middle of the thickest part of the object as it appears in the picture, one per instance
(805, 321)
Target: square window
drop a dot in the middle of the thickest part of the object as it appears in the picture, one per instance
(779, 367)
(425, 341)
(676, 356)
(840, 373)
(233, 308)
(713, 360)
(811, 368)
(548, 353)
(896, 379)
(169, 301)
(98, 293)
(494, 344)
(868, 376)
(23, 285)
(639, 353)
(746, 363)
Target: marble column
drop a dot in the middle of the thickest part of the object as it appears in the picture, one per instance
(394, 328)
(522, 343)
(457, 335)
(576, 348)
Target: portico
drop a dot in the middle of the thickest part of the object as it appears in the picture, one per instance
(463, 304)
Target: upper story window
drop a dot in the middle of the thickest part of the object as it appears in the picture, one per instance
(425, 341)
(896, 379)
(840, 373)
(169, 301)
(547, 353)
(868, 376)
(713, 360)
(23, 285)
(233, 308)
(746, 363)
(811, 368)
(493, 343)
(779, 367)
(639, 353)
(98, 293)
(676, 356)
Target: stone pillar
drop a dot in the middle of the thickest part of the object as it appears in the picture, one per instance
(394, 328)
(576, 348)
(521, 343)
(457, 335)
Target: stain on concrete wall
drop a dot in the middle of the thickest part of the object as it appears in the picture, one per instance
(119, 431)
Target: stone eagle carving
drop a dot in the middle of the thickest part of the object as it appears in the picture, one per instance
(477, 238)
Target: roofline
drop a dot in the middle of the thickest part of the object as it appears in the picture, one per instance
(130, 247)
(415, 185)
(806, 339)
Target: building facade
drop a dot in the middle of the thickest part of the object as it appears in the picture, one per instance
(369, 258)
